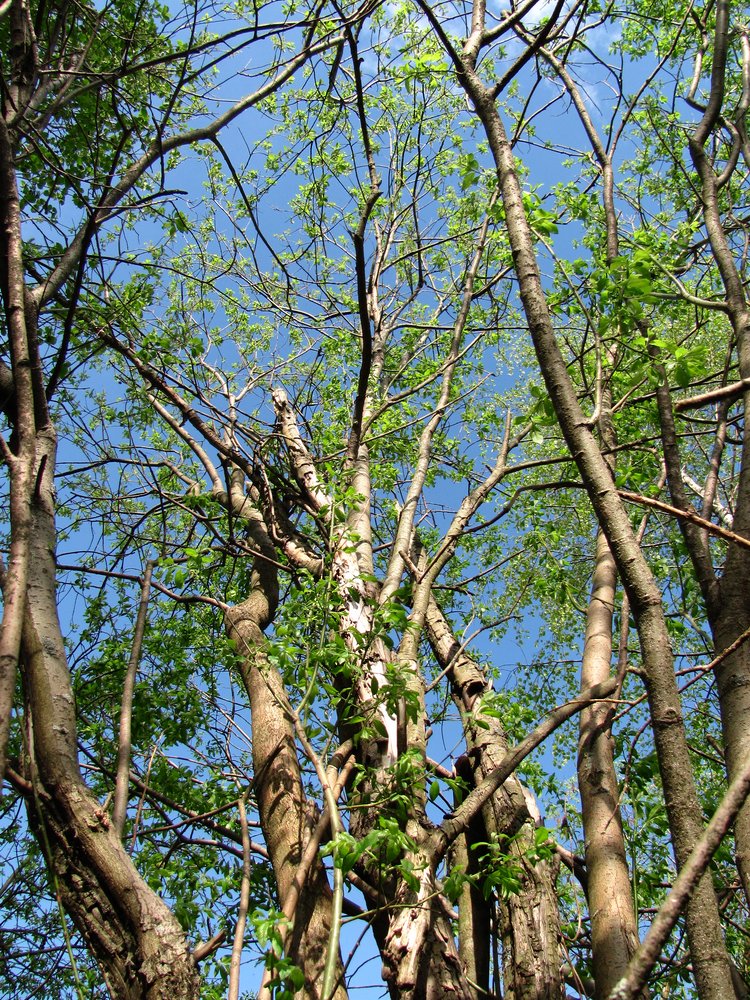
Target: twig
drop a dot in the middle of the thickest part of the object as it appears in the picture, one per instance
(239, 931)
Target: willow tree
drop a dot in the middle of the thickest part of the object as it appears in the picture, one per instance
(274, 279)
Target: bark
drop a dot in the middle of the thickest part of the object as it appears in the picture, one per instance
(420, 957)
(474, 914)
(287, 818)
(614, 933)
(698, 862)
(139, 945)
(20, 457)
(709, 957)
(529, 921)
(730, 614)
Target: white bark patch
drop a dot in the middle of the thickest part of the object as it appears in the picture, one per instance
(357, 621)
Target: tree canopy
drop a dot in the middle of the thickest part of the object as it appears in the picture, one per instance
(375, 611)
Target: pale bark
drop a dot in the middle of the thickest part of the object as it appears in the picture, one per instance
(614, 934)
(420, 957)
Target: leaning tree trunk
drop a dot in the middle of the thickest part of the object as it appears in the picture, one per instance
(139, 945)
(708, 953)
(731, 613)
(287, 818)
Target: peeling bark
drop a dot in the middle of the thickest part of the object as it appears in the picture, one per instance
(420, 958)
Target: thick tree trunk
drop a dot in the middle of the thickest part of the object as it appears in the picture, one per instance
(420, 957)
(139, 945)
(286, 817)
(733, 683)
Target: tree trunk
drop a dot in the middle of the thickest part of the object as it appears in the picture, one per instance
(614, 933)
(709, 957)
(139, 945)
(286, 817)
(420, 957)
(733, 611)
(530, 922)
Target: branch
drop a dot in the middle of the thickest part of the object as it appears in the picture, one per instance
(303, 466)
(126, 711)
(358, 238)
(456, 822)
(239, 931)
(645, 958)
(157, 150)
(729, 392)
(688, 515)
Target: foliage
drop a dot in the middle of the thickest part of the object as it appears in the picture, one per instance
(290, 362)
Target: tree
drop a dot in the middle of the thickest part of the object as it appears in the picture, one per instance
(323, 426)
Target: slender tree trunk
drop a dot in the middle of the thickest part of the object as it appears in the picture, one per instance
(474, 911)
(20, 456)
(529, 919)
(614, 933)
(709, 957)
(732, 614)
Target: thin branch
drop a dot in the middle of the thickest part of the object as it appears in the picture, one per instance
(692, 871)
(687, 515)
(239, 931)
(126, 711)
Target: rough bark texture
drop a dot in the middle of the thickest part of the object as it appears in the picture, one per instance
(139, 945)
(420, 958)
(286, 817)
(529, 920)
